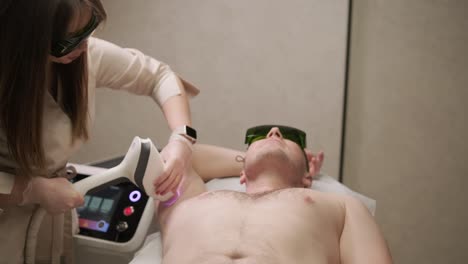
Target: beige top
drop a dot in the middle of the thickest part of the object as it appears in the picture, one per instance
(109, 66)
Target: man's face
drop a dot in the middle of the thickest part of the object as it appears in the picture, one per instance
(274, 153)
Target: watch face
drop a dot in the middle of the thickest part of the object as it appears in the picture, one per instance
(191, 132)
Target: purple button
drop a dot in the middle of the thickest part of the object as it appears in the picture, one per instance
(134, 196)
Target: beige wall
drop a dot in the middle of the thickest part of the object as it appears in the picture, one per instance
(256, 62)
(407, 125)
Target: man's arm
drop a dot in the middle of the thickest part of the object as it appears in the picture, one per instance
(216, 162)
(208, 162)
(361, 240)
(190, 186)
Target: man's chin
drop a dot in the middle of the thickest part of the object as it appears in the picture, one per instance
(271, 155)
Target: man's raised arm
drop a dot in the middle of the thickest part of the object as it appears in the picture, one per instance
(190, 186)
(208, 162)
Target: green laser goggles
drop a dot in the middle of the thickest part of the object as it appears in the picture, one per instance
(260, 132)
(295, 135)
(67, 45)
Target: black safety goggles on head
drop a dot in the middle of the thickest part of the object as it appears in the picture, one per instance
(67, 45)
(295, 135)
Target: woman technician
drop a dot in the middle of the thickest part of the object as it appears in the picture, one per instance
(49, 69)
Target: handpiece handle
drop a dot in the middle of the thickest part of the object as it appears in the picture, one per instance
(142, 165)
(93, 181)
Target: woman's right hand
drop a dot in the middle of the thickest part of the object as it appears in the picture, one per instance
(55, 195)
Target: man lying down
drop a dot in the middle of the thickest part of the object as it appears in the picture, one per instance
(277, 220)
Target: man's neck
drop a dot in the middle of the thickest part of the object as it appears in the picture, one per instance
(265, 182)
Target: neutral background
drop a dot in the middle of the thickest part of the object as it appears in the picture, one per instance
(283, 61)
(256, 62)
(406, 128)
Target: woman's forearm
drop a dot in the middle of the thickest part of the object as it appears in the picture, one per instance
(177, 110)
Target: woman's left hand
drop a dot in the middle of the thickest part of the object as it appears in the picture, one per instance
(177, 156)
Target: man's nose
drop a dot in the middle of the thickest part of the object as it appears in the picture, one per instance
(275, 132)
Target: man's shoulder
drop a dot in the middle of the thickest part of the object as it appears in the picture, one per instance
(326, 195)
(345, 202)
(338, 201)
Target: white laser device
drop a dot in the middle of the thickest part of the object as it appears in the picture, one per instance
(141, 165)
(110, 222)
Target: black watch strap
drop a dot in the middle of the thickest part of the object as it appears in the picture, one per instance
(188, 132)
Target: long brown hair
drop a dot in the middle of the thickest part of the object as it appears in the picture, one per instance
(27, 29)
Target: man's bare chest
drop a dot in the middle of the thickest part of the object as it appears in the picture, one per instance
(282, 223)
(289, 208)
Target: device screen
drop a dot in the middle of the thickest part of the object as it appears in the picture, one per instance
(98, 209)
(111, 211)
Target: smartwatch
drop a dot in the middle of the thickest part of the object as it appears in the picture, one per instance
(187, 132)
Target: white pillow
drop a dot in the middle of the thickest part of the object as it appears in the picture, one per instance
(151, 251)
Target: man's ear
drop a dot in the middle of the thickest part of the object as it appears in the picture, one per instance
(243, 178)
(307, 180)
(315, 162)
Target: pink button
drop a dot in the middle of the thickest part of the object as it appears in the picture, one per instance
(128, 211)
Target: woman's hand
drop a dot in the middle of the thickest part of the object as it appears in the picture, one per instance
(177, 155)
(55, 195)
